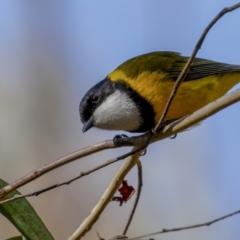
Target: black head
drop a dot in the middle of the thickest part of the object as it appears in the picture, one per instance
(92, 99)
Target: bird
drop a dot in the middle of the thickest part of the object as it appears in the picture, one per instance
(133, 96)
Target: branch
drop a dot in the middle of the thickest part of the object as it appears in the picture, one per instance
(58, 163)
(169, 130)
(82, 174)
(115, 183)
(206, 224)
(190, 60)
(139, 189)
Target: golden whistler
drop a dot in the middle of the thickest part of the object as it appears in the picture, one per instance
(133, 96)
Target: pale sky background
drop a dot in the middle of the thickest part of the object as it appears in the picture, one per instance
(52, 52)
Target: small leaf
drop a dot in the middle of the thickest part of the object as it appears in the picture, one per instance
(126, 191)
(22, 215)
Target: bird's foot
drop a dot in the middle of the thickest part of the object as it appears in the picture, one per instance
(118, 137)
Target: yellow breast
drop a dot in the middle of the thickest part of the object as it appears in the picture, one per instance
(191, 96)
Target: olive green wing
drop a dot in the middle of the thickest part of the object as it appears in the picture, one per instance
(201, 68)
(172, 64)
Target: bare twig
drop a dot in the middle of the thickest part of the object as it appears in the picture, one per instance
(206, 224)
(106, 197)
(190, 60)
(139, 189)
(99, 237)
(82, 174)
(18, 196)
(169, 130)
(60, 162)
(119, 237)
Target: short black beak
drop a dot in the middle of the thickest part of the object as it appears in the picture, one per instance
(87, 125)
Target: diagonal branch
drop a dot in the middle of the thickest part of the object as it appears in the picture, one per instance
(206, 224)
(169, 130)
(139, 190)
(190, 60)
(82, 174)
(58, 163)
(116, 181)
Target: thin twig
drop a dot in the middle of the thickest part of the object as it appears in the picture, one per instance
(188, 227)
(190, 60)
(99, 237)
(169, 130)
(18, 196)
(139, 190)
(115, 183)
(60, 162)
(82, 174)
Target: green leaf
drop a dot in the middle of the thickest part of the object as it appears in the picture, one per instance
(22, 215)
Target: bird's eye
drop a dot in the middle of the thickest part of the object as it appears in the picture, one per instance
(95, 98)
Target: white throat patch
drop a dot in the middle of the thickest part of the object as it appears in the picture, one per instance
(117, 112)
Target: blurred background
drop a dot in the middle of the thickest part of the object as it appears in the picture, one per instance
(51, 53)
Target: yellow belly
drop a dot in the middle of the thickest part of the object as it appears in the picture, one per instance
(191, 96)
